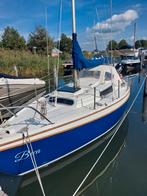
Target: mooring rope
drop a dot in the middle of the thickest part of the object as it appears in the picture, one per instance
(124, 117)
(33, 159)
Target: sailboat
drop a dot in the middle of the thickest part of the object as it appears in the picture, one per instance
(130, 62)
(65, 120)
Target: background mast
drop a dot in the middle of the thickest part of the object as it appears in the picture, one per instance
(111, 53)
(134, 37)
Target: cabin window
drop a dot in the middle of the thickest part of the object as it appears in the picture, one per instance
(61, 100)
(88, 73)
(108, 76)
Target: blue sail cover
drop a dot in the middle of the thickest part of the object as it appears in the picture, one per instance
(79, 61)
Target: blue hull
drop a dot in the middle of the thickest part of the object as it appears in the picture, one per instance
(17, 160)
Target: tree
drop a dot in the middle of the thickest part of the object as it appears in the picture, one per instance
(144, 43)
(141, 43)
(11, 39)
(37, 40)
(112, 44)
(138, 44)
(65, 44)
(88, 54)
(123, 44)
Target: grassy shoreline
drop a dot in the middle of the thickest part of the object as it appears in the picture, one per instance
(34, 65)
(28, 64)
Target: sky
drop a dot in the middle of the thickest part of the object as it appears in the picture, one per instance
(94, 18)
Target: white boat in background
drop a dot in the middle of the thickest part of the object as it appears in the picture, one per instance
(15, 91)
(143, 54)
(14, 85)
(130, 59)
(65, 120)
(129, 63)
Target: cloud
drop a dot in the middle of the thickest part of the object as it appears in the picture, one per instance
(138, 38)
(1, 33)
(116, 23)
(136, 6)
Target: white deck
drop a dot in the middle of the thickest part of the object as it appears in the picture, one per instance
(67, 116)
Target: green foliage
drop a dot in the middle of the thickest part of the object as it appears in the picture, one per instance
(112, 44)
(65, 56)
(27, 63)
(38, 41)
(123, 44)
(65, 44)
(141, 43)
(87, 54)
(11, 39)
(115, 46)
(138, 44)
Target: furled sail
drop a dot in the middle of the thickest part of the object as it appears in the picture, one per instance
(79, 61)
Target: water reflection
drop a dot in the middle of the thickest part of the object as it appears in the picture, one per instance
(10, 184)
(101, 177)
(64, 177)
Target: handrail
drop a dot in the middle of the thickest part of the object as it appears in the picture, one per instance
(6, 108)
(32, 87)
(22, 107)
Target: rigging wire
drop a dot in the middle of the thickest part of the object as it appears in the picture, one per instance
(101, 32)
(47, 47)
(33, 159)
(111, 55)
(59, 38)
(56, 68)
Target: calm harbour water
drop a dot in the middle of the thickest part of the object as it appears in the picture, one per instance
(122, 170)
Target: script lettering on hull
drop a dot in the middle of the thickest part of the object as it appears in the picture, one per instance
(25, 155)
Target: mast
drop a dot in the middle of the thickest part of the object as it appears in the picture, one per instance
(96, 48)
(134, 37)
(76, 72)
(95, 41)
(73, 17)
